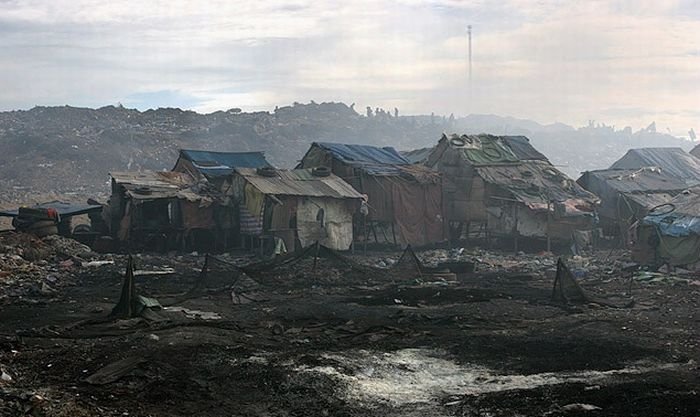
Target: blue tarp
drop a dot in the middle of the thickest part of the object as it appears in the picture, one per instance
(676, 225)
(216, 164)
(372, 159)
(678, 218)
(63, 209)
(364, 154)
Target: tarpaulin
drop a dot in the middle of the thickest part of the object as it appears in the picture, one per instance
(364, 153)
(196, 217)
(676, 225)
(254, 200)
(679, 250)
(333, 229)
(522, 149)
(489, 152)
(371, 159)
(679, 217)
(673, 161)
(418, 212)
(216, 164)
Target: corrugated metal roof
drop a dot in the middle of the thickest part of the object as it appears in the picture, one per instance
(153, 184)
(217, 164)
(695, 151)
(299, 182)
(673, 161)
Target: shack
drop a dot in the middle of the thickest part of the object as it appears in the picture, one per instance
(297, 207)
(670, 233)
(168, 210)
(627, 195)
(217, 166)
(504, 187)
(404, 200)
(672, 161)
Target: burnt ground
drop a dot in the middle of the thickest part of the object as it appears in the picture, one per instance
(491, 343)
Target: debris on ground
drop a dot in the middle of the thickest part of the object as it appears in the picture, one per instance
(440, 332)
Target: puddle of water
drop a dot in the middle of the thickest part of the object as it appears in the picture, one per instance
(411, 376)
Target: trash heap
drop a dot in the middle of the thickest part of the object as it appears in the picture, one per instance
(36, 266)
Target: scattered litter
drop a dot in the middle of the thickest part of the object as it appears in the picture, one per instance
(93, 264)
(580, 407)
(5, 377)
(659, 278)
(164, 271)
(195, 314)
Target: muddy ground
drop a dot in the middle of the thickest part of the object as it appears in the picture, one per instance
(313, 342)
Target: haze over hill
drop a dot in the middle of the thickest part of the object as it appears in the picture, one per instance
(70, 151)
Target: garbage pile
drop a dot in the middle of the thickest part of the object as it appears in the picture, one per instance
(30, 265)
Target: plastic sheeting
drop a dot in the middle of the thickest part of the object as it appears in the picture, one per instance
(673, 161)
(674, 224)
(254, 200)
(679, 250)
(680, 217)
(364, 153)
(371, 159)
(335, 231)
(196, 217)
(418, 211)
(216, 164)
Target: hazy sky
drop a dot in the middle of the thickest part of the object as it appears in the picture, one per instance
(626, 62)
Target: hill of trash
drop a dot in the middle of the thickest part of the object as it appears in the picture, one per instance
(68, 152)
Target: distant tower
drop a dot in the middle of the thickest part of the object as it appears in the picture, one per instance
(469, 34)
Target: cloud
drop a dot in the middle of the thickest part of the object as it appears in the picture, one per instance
(542, 59)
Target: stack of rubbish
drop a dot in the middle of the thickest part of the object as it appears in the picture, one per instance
(34, 266)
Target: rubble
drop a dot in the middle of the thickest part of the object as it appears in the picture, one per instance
(334, 334)
(38, 266)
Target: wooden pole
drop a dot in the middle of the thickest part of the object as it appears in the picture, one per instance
(515, 228)
(549, 225)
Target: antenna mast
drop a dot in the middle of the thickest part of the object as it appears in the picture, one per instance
(469, 34)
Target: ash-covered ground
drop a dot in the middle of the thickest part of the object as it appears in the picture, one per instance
(315, 338)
